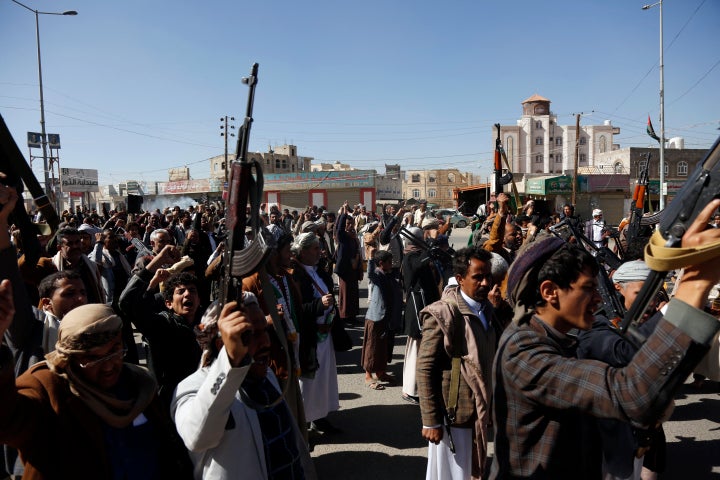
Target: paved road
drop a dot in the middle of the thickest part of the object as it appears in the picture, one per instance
(380, 435)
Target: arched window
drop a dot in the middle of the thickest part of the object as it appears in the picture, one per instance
(416, 193)
(618, 167)
(277, 163)
(603, 144)
(451, 178)
(432, 193)
(682, 169)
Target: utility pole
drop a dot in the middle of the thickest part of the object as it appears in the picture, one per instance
(226, 133)
(577, 157)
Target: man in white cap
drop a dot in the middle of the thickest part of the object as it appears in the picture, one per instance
(595, 229)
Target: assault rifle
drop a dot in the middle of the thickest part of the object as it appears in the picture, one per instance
(500, 179)
(17, 171)
(612, 305)
(499, 148)
(638, 205)
(700, 189)
(240, 260)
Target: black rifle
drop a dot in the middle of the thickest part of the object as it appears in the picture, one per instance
(700, 189)
(17, 170)
(240, 260)
(612, 307)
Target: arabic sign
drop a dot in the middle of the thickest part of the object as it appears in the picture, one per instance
(78, 180)
(323, 180)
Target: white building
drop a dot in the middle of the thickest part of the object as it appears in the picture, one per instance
(538, 145)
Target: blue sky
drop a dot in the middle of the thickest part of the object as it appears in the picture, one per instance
(137, 87)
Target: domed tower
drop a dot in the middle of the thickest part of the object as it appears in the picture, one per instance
(536, 105)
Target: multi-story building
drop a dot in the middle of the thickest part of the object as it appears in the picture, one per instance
(435, 186)
(282, 159)
(538, 145)
(679, 164)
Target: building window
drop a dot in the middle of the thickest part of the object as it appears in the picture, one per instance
(582, 141)
(415, 178)
(416, 193)
(538, 159)
(583, 158)
(682, 169)
(277, 163)
(450, 193)
(603, 144)
(558, 141)
(432, 193)
(538, 124)
(432, 178)
(283, 163)
(509, 149)
(558, 158)
(538, 141)
(667, 169)
(618, 167)
(451, 178)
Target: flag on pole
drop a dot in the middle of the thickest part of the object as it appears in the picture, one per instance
(651, 130)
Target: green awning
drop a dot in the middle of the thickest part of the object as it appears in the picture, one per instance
(549, 185)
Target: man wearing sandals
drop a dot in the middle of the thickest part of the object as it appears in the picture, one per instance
(454, 366)
(383, 316)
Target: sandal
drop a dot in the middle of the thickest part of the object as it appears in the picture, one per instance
(373, 385)
(389, 379)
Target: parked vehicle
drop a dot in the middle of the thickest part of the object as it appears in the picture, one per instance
(457, 219)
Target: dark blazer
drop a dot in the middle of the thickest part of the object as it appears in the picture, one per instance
(310, 309)
(174, 350)
(418, 274)
(347, 250)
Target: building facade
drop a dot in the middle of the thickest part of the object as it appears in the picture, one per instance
(435, 186)
(538, 145)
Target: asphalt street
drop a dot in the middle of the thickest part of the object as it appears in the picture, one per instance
(380, 432)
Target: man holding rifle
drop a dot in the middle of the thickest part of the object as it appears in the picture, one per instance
(543, 395)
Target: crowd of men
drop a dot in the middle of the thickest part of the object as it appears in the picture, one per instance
(504, 342)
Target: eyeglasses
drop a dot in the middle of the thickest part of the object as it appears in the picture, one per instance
(94, 363)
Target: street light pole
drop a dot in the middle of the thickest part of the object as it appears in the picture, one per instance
(662, 105)
(46, 169)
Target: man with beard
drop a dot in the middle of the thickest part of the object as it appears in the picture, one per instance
(167, 320)
(454, 370)
(70, 257)
(231, 413)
